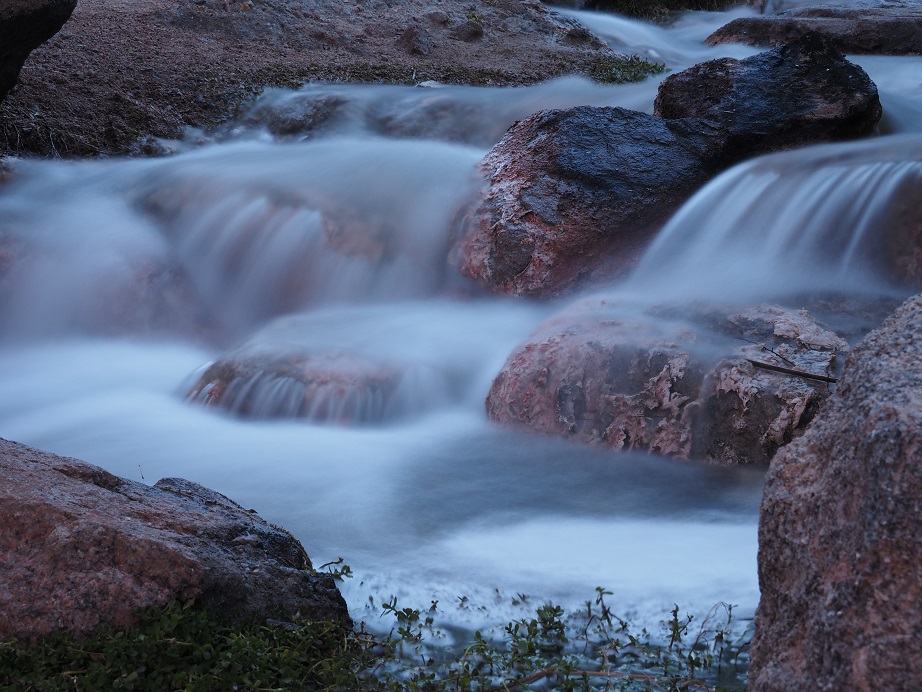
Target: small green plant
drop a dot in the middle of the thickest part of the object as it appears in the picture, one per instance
(614, 70)
(472, 15)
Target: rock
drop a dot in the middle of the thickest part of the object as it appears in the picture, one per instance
(676, 380)
(840, 532)
(147, 293)
(288, 370)
(81, 548)
(469, 31)
(745, 413)
(25, 25)
(287, 114)
(338, 388)
(572, 196)
(890, 28)
(801, 93)
(415, 41)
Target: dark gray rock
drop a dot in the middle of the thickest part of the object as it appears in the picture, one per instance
(840, 531)
(804, 92)
(890, 28)
(25, 25)
(81, 548)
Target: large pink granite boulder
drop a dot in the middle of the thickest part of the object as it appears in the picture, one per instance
(81, 548)
(840, 532)
(601, 375)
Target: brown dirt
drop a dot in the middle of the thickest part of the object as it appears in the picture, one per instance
(122, 69)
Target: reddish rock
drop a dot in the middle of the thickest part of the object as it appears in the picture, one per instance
(747, 412)
(285, 372)
(801, 93)
(890, 28)
(677, 387)
(574, 196)
(25, 25)
(338, 388)
(81, 548)
(840, 532)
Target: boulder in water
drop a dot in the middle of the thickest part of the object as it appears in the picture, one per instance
(889, 28)
(288, 371)
(338, 388)
(572, 196)
(840, 531)
(682, 387)
(804, 92)
(81, 548)
(25, 25)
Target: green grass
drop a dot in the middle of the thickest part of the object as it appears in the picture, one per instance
(177, 648)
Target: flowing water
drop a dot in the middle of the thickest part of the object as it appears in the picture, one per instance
(121, 280)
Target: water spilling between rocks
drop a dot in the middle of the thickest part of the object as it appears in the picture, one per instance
(124, 283)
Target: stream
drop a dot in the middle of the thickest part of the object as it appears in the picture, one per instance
(98, 344)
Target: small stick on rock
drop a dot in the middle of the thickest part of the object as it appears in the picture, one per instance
(792, 371)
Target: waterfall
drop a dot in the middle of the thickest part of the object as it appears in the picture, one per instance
(823, 218)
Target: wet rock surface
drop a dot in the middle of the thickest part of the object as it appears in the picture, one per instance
(804, 92)
(574, 195)
(890, 28)
(840, 532)
(684, 384)
(25, 25)
(571, 197)
(120, 71)
(337, 388)
(81, 548)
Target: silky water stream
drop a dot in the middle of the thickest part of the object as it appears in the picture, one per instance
(121, 279)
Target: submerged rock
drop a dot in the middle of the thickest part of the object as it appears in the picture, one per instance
(81, 548)
(804, 92)
(890, 28)
(338, 388)
(840, 532)
(25, 25)
(683, 383)
(574, 195)
(310, 369)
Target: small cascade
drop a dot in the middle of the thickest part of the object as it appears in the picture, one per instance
(337, 388)
(829, 218)
(244, 232)
(264, 230)
(677, 46)
(363, 365)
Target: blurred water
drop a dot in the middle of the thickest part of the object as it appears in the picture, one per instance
(120, 280)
